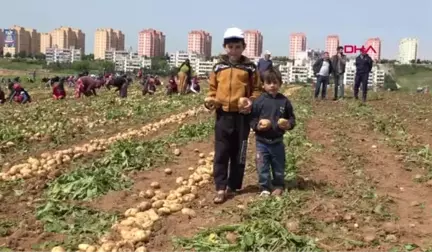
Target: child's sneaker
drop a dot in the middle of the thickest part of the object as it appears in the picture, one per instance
(265, 194)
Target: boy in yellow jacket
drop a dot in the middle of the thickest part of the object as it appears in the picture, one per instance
(234, 84)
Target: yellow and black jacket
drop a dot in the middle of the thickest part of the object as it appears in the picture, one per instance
(229, 82)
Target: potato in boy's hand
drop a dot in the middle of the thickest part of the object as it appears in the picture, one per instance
(284, 124)
(244, 105)
(264, 124)
(210, 103)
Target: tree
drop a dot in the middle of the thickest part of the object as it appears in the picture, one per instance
(81, 66)
(88, 57)
(107, 66)
(39, 56)
(22, 54)
(8, 55)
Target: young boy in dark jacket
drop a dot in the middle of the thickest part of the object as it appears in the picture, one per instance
(233, 84)
(272, 115)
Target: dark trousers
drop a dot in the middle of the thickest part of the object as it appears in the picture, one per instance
(361, 78)
(270, 161)
(231, 134)
(321, 81)
(123, 90)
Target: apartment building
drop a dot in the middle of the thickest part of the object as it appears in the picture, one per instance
(45, 42)
(127, 61)
(107, 39)
(332, 43)
(151, 43)
(375, 43)
(254, 42)
(297, 44)
(62, 55)
(199, 64)
(66, 37)
(200, 42)
(408, 50)
(20, 39)
(2, 39)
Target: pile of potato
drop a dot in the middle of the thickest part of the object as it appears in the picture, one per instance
(51, 161)
(136, 228)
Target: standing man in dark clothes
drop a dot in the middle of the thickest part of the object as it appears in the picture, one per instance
(265, 63)
(322, 70)
(363, 65)
(339, 63)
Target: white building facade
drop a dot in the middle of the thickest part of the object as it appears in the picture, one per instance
(408, 50)
(198, 63)
(127, 61)
(55, 54)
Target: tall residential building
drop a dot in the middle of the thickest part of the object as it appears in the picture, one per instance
(332, 43)
(200, 42)
(25, 40)
(66, 37)
(107, 39)
(1, 39)
(34, 41)
(376, 45)
(408, 50)
(79, 40)
(254, 43)
(45, 42)
(151, 43)
(297, 44)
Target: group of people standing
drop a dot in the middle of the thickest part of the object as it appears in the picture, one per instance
(324, 67)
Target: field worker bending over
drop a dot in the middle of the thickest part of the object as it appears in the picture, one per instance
(2, 96)
(195, 87)
(149, 86)
(172, 85)
(85, 85)
(121, 83)
(233, 84)
(59, 92)
(19, 95)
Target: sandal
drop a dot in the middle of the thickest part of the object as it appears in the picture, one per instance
(265, 193)
(220, 197)
(277, 192)
(231, 192)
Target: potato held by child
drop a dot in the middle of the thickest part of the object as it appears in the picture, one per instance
(264, 124)
(211, 103)
(243, 103)
(283, 124)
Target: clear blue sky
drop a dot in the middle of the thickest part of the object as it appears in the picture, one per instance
(353, 20)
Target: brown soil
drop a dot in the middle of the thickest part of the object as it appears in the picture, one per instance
(20, 209)
(338, 178)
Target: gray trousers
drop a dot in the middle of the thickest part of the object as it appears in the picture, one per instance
(339, 86)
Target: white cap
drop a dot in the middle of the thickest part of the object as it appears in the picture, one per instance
(267, 52)
(234, 32)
